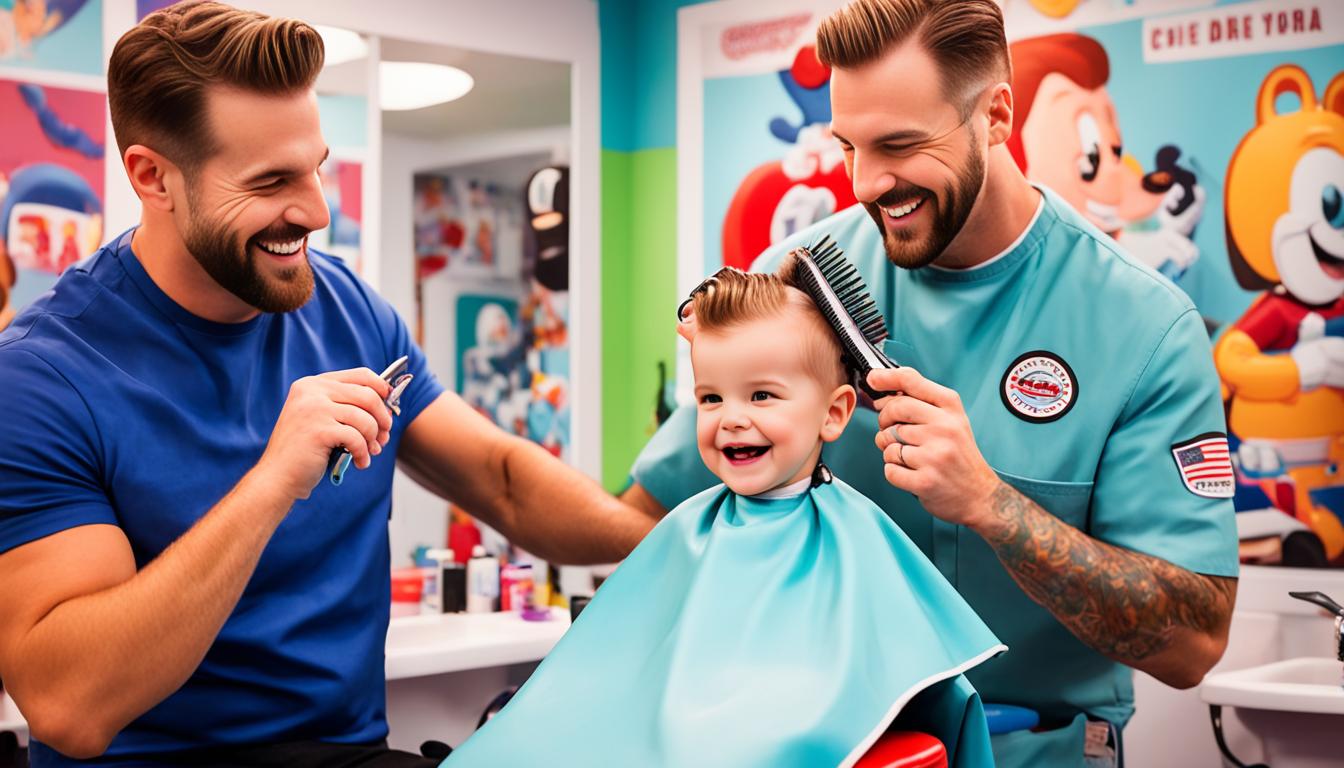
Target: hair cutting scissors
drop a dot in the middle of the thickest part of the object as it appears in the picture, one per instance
(396, 376)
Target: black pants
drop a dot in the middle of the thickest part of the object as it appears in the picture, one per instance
(297, 754)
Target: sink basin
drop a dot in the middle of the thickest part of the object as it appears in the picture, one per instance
(1313, 685)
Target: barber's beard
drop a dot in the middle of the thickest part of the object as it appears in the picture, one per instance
(232, 263)
(911, 249)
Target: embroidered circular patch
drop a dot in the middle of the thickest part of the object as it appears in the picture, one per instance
(1039, 387)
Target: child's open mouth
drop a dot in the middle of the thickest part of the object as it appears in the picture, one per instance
(739, 455)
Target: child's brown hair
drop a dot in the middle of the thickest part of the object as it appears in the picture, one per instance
(733, 297)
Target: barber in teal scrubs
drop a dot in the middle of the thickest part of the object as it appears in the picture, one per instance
(1059, 449)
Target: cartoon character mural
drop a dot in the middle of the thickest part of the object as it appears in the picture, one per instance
(806, 185)
(1067, 136)
(491, 375)
(50, 216)
(24, 22)
(1282, 362)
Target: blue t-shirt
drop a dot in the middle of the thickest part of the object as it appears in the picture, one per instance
(1088, 380)
(128, 410)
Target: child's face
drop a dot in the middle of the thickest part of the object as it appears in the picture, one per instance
(762, 413)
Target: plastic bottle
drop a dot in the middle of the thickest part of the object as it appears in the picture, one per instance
(432, 594)
(482, 581)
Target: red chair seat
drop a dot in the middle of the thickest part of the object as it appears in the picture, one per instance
(905, 749)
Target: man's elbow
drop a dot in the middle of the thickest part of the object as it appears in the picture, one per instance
(1193, 662)
(60, 726)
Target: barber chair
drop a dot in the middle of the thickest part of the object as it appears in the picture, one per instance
(905, 749)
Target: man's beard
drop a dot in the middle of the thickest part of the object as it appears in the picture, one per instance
(234, 265)
(906, 248)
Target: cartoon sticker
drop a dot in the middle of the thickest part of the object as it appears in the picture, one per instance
(1039, 387)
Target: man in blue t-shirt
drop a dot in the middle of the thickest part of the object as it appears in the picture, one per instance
(1058, 445)
(180, 583)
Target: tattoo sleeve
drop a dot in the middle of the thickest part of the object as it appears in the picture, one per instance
(1126, 605)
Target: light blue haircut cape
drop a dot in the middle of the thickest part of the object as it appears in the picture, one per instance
(754, 632)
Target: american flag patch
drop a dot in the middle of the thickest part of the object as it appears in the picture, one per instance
(1206, 466)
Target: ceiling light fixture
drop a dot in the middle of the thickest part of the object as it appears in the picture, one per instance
(405, 85)
(341, 45)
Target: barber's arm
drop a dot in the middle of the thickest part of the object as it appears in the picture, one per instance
(516, 487)
(87, 642)
(1135, 608)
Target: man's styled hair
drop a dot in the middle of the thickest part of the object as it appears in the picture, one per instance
(160, 70)
(965, 38)
(732, 298)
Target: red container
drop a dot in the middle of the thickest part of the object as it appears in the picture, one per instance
(407, 584)
(463, 536)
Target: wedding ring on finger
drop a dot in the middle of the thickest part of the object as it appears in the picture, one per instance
(900, 454)
(895, 431)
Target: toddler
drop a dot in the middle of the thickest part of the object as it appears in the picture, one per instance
(778, 619)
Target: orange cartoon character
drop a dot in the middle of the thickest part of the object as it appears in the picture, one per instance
(1067, 137)
(1282, 363)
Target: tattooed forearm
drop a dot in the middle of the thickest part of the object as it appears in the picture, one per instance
(1129, 606)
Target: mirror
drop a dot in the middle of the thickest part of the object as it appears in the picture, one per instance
(473, 220)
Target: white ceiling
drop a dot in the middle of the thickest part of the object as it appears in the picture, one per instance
(511, 93)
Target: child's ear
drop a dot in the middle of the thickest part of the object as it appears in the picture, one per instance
(843, 400)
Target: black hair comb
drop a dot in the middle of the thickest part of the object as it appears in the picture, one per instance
(838, 290)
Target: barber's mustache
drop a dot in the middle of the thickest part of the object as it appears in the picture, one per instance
(897, 195)
(283, 233)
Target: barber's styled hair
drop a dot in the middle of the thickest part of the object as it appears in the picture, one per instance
(160, 69)
(965, 38)
(732, 297)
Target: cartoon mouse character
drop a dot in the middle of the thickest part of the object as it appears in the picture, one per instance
(1282, 363)
(1067, 137)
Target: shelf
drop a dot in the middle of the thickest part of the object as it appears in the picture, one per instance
(432, 645)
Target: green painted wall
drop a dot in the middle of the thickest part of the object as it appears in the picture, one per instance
(639, 220)
(639, 278)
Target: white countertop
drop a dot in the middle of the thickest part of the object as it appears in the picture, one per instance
(432, 645)
(418, 646)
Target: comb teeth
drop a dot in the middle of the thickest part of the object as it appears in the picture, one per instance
(849, 287)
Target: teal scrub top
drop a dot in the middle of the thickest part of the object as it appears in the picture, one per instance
(1086, 377)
